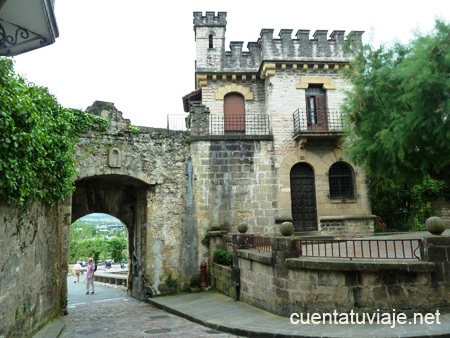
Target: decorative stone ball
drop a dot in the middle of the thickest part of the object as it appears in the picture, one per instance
(435, 225)
(216, 226)
(242, 228)
(287, 228)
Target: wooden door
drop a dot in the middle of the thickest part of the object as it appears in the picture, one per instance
(303, 198)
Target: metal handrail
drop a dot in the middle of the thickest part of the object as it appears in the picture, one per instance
(258, 243)
(318, 121)
(360, 248)
(248, 124)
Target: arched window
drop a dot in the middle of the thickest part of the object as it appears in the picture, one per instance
(210, 37)
(234, 113)
(341, 178)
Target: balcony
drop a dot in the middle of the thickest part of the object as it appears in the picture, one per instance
(239, 125)
(318, 125)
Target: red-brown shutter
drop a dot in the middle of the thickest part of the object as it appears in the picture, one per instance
(234, 113)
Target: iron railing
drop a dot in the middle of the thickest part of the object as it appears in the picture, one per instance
(248, 124)
(176, 122)
(318, 120)
(258, 243)
(360, 248)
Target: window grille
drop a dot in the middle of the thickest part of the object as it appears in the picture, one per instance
(342, 181)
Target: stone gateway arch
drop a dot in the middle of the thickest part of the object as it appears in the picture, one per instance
(141, 178)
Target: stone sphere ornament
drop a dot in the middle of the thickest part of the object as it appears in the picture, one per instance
(435, 225)
(287, 228)
(242, 228)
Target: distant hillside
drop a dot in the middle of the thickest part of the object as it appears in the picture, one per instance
(98, 219)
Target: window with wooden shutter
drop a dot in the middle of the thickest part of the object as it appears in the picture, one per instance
(234, 114)
(316, 108)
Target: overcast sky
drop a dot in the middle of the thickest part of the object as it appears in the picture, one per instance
(140, 54)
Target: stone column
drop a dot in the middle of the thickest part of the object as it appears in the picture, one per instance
(199, 116)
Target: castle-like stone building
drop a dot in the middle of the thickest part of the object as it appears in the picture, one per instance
(267, 132)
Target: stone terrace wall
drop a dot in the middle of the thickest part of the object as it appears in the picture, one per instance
(282, 284)
(33, 267)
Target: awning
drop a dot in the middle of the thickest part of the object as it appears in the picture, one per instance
(26, 25)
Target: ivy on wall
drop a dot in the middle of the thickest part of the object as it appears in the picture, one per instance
(37, 141)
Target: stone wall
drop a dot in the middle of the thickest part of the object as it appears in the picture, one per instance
(281, 283)
(221, 280)
(234, 183)
(33, 266)
(142, 176)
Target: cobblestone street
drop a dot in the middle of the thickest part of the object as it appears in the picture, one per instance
(111, 313)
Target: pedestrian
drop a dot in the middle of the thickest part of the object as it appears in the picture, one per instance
(76, 272)
(90, 275)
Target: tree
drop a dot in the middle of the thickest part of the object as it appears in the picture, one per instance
(116, 246)
(399, 108)
(37, 141)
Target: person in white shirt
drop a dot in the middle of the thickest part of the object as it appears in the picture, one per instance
(77, 272)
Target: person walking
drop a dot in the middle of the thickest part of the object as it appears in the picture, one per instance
(76, 272)
(90, 275)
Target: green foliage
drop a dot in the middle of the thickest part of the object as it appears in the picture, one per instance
(206, 240)
(133, 129)
(399, 108)
(37, 141)
(401, 207)
(172, 284)
(222, 257)
(115, 247)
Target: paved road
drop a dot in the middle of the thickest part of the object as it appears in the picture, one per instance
(111, 313)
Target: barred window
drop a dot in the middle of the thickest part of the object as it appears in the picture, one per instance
(342, 181)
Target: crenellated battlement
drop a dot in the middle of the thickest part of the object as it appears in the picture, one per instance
(210, 19)
(302, 47)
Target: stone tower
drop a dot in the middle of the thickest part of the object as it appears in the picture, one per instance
(268, 132)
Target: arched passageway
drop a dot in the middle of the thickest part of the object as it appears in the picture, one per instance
(125, 198)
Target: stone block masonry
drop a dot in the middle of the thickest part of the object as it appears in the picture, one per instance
(234, 183)
(281, 283)
(33, 265)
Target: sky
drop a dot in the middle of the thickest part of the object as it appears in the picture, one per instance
(141, 56)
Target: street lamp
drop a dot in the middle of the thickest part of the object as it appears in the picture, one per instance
(26, 25)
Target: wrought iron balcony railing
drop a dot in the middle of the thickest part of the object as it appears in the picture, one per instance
(317, 121)
(239, 124)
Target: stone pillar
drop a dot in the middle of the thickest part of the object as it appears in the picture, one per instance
(282, 248)
(215, 242)
(437, 249)
(199, 116)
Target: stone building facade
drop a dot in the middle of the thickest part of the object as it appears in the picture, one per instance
(267, 132)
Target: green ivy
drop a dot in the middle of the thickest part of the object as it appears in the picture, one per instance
(222, 257)
(172, 284)
(37, 141)
(133, 129)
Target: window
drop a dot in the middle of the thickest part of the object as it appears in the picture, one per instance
(342, 181)
(316, 108)
(210, 41)
(234, 113)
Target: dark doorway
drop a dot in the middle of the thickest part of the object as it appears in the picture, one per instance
(303, 197)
